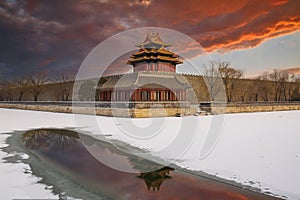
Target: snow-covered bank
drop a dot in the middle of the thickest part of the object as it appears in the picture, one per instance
(16, 179)
(256, 149)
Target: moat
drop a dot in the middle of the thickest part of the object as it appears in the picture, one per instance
(63, 162)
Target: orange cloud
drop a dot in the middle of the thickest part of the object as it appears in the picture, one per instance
(294, 71)
(255, 38)
(254, 27)
(225, 26)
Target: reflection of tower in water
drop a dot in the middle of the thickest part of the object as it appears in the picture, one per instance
(61, 142)
(154, 179)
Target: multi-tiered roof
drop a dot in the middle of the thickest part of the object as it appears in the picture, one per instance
(153, 49)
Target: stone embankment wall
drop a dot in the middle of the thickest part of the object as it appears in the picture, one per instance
(118, 112)
(251, 107)
(156, 112)
(261, 108)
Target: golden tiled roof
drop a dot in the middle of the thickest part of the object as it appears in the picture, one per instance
(154, 51)
(154, 58)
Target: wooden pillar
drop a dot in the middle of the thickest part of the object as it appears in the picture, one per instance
(140, 95)
(152, 96)
(133, 95)
(136, 96)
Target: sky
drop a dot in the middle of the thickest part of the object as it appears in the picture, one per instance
(56, 36)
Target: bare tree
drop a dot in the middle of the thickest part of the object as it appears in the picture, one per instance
(65, 87)
(6, 91)
(288, 86)
(21, 86)
(213, 81)
(243, 90)
(262, 86)
(253, 90)
(296, 91)
(228, 75)
(278, 78)
(36, 81)
(1, 91)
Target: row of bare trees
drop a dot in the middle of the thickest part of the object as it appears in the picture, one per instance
(221, 82)
(220, 78)
(283, 85)
(34, 85)
(224, 81)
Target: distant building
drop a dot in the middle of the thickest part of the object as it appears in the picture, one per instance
(154, 76)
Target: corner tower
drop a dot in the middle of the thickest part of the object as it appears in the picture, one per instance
(154, 56)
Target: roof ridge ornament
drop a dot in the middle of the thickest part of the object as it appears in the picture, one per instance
(153, 40)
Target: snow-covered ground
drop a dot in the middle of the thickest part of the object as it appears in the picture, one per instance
(16, 179)
(261, 150)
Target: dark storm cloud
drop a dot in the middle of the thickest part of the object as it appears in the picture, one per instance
(48, 35)
(55, 36)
